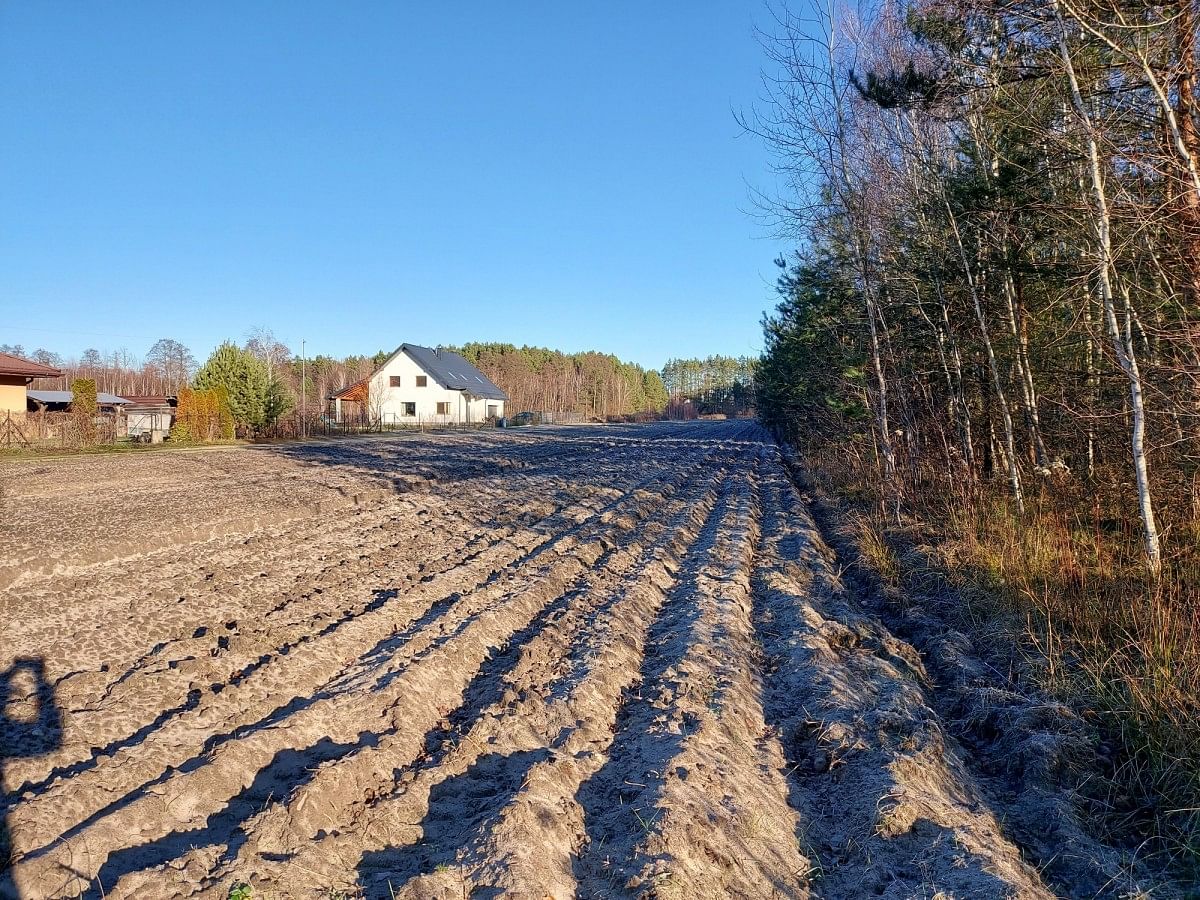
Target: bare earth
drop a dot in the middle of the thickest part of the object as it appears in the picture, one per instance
(594, 662)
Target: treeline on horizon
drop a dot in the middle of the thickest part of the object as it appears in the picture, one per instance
(588, 384)
(600, 385)
(715, 384)
(992, 322)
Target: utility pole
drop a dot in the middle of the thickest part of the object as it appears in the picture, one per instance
(303, 391)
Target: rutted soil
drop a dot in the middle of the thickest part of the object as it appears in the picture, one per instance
(594, 662)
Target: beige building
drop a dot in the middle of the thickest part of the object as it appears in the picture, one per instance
(15, 375)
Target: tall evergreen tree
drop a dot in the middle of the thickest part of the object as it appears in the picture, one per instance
(243, 376)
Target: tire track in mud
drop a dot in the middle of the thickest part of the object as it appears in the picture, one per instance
(398, 704)
(572, 549)
(512, 698)
(886, 806)
(691, 801)
(209, 659)
(187, 667)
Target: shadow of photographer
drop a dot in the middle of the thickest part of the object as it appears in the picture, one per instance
(30, 725)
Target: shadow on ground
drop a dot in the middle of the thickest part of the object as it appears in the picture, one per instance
(459, 807)
(30, 725)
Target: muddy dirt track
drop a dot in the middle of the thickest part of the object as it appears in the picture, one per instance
(594, 662)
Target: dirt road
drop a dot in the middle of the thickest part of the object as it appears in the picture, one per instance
(595, 662)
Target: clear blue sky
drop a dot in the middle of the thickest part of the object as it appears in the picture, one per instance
(362, 174)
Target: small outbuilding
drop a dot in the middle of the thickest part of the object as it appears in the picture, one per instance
(149, 415)
(15, 376)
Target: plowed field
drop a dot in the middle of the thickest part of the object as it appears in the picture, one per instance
(594, 662)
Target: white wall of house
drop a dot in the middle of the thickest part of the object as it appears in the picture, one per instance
(408, 403)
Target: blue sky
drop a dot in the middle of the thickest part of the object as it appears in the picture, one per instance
(362, 174)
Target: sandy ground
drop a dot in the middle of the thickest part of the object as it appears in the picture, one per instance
(594, 662)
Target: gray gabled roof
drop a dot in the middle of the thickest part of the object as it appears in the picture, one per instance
(453, 371)
(67, 396)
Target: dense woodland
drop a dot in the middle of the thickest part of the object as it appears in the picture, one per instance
(589, 384)
(992, 321)
(715, 384)
(600, 386)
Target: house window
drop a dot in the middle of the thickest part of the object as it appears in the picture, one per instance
(492, 408)
(394, 381)
(422, 381)
(443, 409)
(408, 409)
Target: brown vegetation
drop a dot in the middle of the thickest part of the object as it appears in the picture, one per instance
(202, 416)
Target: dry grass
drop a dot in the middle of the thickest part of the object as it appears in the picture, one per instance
(1114, 637)
(873, 545)
(1073, 596)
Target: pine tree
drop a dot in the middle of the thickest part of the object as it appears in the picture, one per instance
(654, 391)
(243, 377)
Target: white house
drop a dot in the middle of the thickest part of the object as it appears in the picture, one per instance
(417, 385)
